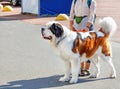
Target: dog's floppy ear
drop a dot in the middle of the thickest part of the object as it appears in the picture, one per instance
(56, 29)
(52, 27)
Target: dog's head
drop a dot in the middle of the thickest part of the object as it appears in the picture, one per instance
(52, 30)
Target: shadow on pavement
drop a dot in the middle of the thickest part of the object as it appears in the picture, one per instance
(46, 82)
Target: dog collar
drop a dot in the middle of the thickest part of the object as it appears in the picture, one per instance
(58, 42)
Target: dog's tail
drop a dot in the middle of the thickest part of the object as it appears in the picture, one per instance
(108, 25)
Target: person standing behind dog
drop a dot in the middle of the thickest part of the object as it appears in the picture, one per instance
(82, 18)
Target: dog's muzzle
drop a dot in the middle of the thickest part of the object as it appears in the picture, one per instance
(43, 34)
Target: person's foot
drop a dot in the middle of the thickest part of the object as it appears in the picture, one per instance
(84, 73)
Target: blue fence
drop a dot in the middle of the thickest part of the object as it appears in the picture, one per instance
(54, 7)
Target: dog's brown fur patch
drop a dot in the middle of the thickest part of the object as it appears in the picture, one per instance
(90, 45)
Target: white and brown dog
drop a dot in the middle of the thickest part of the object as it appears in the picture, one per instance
(75, 47)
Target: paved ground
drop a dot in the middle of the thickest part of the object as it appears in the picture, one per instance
(28, 62)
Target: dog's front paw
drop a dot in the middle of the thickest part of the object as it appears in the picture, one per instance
(73, 81)
(64, 79)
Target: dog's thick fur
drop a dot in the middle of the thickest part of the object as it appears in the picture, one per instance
(75, 47)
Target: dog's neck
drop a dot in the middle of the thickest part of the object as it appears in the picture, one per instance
(60, 40)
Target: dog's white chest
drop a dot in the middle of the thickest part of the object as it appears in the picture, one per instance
(65, 49)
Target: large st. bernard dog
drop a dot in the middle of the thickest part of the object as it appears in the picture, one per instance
(75, 47)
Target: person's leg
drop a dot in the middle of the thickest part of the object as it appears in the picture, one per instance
(85, 68)
(82, 69)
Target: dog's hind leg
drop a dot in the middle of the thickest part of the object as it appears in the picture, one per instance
(95, 62)
(108, 59)
(75, 67)
(66, 77)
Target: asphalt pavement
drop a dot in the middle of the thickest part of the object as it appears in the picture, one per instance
(29, 62)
